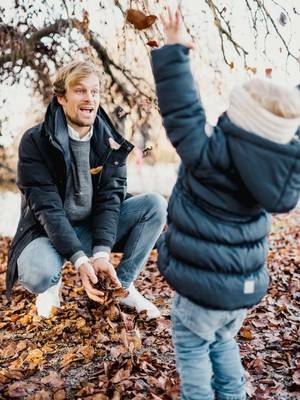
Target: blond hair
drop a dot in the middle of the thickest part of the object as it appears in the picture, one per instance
(72, 73)
(278, 100)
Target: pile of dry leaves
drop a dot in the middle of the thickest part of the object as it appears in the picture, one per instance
(98, 352)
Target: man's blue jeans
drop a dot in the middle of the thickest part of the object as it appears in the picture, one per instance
(207, 355)
(142, 219)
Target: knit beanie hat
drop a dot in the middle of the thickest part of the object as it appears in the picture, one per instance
(268, 110)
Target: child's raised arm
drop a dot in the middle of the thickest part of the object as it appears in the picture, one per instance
(180, 105)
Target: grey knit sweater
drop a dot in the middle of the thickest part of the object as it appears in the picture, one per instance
(79, 191)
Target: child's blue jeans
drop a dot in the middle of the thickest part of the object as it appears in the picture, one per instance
(207, 355)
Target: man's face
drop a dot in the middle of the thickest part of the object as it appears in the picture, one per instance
(80, 103)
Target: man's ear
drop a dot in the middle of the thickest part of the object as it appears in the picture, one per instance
(61, 100)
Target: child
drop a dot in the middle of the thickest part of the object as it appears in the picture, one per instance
(214, 252)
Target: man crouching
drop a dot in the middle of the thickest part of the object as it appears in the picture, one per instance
(72, 177)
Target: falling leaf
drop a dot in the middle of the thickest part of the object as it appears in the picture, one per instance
(282, 19)
(268, 72)
(152, 43)
(139, 20)
(96, 170)
(253, 70)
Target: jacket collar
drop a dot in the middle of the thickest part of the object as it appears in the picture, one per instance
(56, 128)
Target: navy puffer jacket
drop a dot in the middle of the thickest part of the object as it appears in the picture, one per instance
(215, 249)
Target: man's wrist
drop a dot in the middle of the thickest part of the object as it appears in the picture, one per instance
(101, 254)
(81, 260)
(100, 251)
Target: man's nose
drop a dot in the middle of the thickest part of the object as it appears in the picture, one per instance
(89, 95)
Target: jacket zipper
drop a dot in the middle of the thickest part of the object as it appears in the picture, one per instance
(100, 173)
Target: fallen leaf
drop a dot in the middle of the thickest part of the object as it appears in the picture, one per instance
(296, 376)
(246, 334)
(25, 320)
(70, 358)
(121, 375)
(40, 395)
(53, 379)
(87, 351)
(59, 395)
(17, 390)
(35, 357)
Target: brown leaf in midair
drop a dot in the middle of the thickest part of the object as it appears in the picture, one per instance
(140, 20)
(152, 43)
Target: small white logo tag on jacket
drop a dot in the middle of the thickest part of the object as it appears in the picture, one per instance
(208, 129)
(249, 287)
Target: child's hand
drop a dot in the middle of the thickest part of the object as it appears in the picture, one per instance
(173, 29)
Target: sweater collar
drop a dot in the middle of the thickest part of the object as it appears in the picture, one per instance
(73, 134)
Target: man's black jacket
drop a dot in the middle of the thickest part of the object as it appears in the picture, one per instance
(43, 167)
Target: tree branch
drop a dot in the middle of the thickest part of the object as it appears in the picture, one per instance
(269, 17)
(222, 31)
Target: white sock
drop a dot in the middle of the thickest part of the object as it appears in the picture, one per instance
(140, 303)
(48, 299)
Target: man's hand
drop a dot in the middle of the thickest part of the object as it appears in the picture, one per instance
(103, 267)
(173, 29)
(89, 278)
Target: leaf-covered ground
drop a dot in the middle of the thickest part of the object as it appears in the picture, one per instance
(88, 351)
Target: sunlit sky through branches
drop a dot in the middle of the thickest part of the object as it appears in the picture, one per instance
(214, 77)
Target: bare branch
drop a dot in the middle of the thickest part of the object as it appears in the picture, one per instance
(269, 17)
(222, 31)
